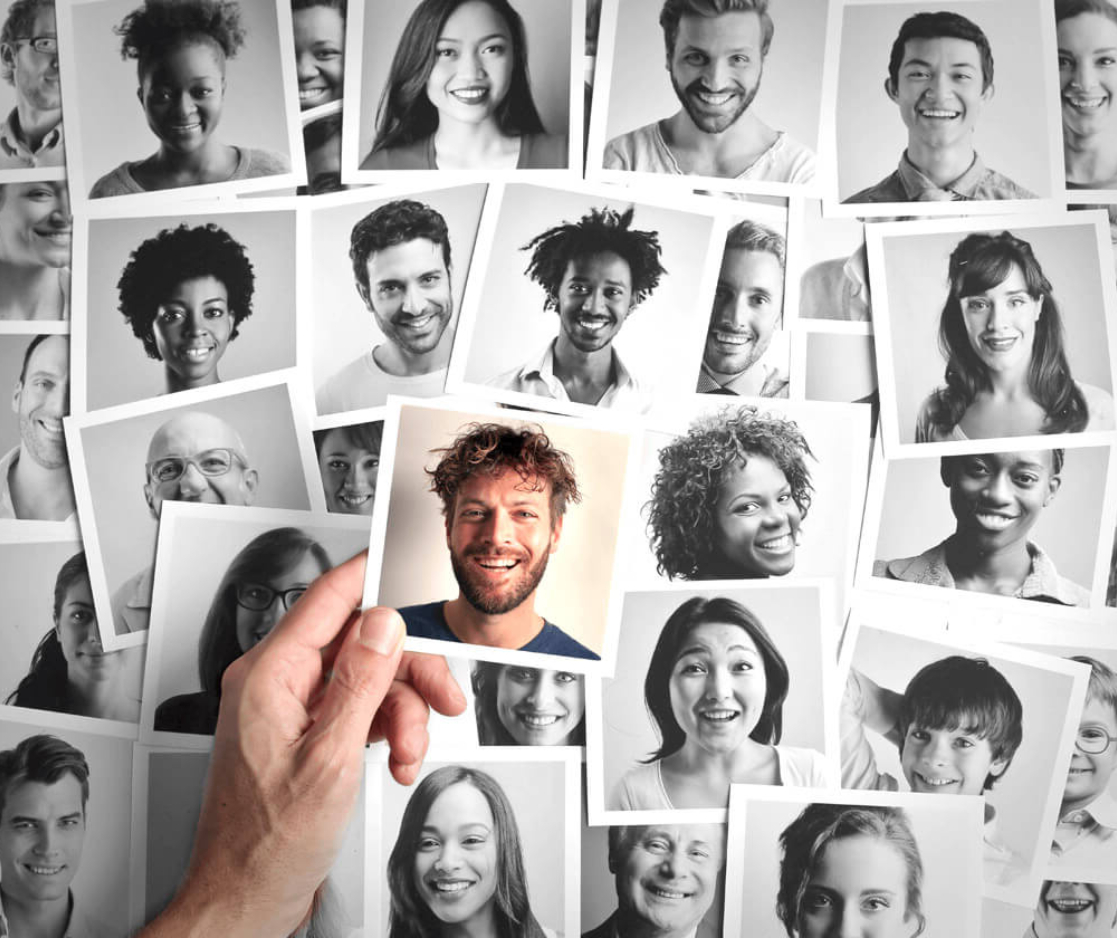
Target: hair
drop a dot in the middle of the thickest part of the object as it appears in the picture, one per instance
(393, 223)
(749, 236)
(491, 448)
(339, 5)
(947, 464)
(967, 694)
(675, 10)
(978, 263)
(43, 759)
(804, 841)
(279, 549)
(1103, 682)
(485, 680)
(1066, 9)
(46, 685)
(941, 25)
(602, 230)
(149, 32)
(30, 350)
(687, 617)
(410, 916)
(367, 436)
(318, 133)
(177, 255)
(20, 19)
(691, 470)
(405, 113)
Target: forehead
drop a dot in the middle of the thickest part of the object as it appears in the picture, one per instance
(742, 266)
(196, 59)
(474, 18)
(42, 799)
(318, 22)
(207, 288)
(758, 473)
(942, 51)
(851, 864)
(461, 803)
(192, 434)
(1087, 31)
(51, 357)
(721, 636)
(1098, 711)
(305, 570)
(604, 266)
(1014, 282)
(505, 487)
(1036, 461)
(43, 24)
(738, 30)
(404, 260)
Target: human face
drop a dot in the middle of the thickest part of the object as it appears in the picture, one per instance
(997, 497)
(756, 520)
(1076, 910)
(718, 686)
(668, 876)
(254, 625)
(182, 95)
(35, 74)
(539, 707)
(858, 890)
(473, 61)
(456, 864)
(716, 67)
(1088, 73)
(192, 329)
(76, 628)
(348, 474)
(594, 299)
(948, 762)
(188, 435)
(500, 534)
(35, 224)
(1090, 773)
(747, 307)
(408, 293)
(42, 830)
(1001, 323)
(319, 48)
(939, 91)
(42, 399)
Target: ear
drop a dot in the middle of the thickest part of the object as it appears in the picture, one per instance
(149, 496)
(997, 767)
(556, 533)
(363, 290)
(987, 94)
(249, 482)
(140, 95)
(890, 90)
(1053, 486)
(946, 472)
(7, 55)
(17, 393)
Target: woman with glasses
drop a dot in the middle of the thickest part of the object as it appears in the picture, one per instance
(264, 580)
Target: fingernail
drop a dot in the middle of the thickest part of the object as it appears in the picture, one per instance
(382, 631)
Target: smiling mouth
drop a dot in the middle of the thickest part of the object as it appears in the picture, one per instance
(719, 715)
(60, 238)
(593, 323)
(994, 521)
(999, 344)
(935, 782)
(538, 721)
(197, 353)
(51, 427)
(1070, 906)
(783, 544)
(735, 339)
(186, 128)
(44, 870)
(1085, 102)
(307, 95)
(939, 114)
(416, 323)
(496, 566)
(450, 888)
(671, 895)
(714, 98)
(471, 95)
(355, 499)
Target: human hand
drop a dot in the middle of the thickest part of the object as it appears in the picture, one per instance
(288, 757)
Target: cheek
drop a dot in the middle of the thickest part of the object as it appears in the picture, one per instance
(574, 701)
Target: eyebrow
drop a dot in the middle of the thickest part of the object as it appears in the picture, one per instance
(208, 299)
(482, 39)
(698, 649)
(395, 281)
(926, 64)
(25, 818)
(518, 502)
(583, 278)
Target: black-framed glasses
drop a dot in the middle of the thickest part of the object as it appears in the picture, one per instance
(44, 45)
(257, 597)
(210, 463)
(1093, 739)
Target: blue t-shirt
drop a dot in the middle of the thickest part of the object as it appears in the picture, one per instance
(429, 621)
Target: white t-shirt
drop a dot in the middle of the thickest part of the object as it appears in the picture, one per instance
(363, 383)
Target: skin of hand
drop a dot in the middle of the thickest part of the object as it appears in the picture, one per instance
(288, 757)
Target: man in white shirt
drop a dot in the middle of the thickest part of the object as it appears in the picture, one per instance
(32, 133)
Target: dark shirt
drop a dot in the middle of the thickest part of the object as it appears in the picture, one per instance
(188, 713)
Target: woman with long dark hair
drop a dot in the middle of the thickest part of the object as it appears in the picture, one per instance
(520, 706)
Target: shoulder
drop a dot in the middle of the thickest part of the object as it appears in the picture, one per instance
(187, 713)
(1099, 405)
(426, 620)
(790, 161)
(353, 386)
(800, 765)
(255, 163)
(544, 151)
(119, 182)
(604, 930)
(928, 567)
(889, 189)
(640, 789)
(927, 429)
(995, 185)
(416, 155)
(554, 641)
(627, 150)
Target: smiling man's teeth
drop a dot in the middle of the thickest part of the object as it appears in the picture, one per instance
(52, 426)
(420, 322)
(733, 338)
(666, 893)
(714, 99)
(939, 113)
(1070, 905)
(593, 323)
(45, 870)
(988, 520)
(499, 563)
(309, 94)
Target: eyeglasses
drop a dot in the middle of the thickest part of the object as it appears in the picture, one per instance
(1093, 739)
(257, 597)
(44, 45)
(210, 463)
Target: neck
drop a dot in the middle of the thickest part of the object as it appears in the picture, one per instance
(942, 165)
(512, 629)
(571, 363)
(481, 924)
(1089, 158)
(630, 925)
(1009, 384)
(733, 766)
(93, 698)
(744, 135)
(468, 143)
(403, 363)
(176, 382)
(1076, 804)
(42, 918)
(1009, 564)
(35, 124)
(38, 492)
(30, 292)
(206, 160)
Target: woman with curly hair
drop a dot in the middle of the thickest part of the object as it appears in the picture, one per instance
(458, 94)
(185, 293)
(1006, 369)
(715, 690)
(180, 48)
(520, 706)
(729, 497)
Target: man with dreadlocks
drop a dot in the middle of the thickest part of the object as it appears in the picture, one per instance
(594, 272)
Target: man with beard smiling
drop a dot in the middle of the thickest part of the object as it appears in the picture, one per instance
(666, 879)
(401, 261)
(32, 134)
(35, 476)
(940, 74)
(595, 272)
(1074, 910)
(715, 57)
(504, 493)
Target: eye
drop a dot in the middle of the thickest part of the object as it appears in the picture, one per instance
(963, 76)
(698, 853)
(1091, 733)
(521, 675)
(919, 735)
(526, 514)
(474, 840)
(740, 61)
(694, 59)
(1026, 479)
(976, 468)
(564, 677)
(816, 901)
(744, 666)
(258, 594)
(430, 280)
(578, 288)
(876, 904)
(759, 299)
(338, 465)
(201, 93)
(170, 314)
(746, 508)
(783, 498)
(692, 667)
(323, 55)
(496, 49)
(1106, 61)
(964, 742)
(81, 616)
(214, 312)
(656, 845)
(446, 52)
(427, 844)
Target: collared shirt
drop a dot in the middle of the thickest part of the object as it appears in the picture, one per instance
(1043, 583)
(15, 154)
(79, 925)
(760, 380)
(1087, 836)
(131, 603)
(537, 377)
(610, 929)
(7, 507)
(908, 184)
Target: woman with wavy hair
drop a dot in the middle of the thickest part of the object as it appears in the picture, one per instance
(715, 690)
(458, 94)
(263, 581)
(457, 866)
(520, 706)
(1002, 336)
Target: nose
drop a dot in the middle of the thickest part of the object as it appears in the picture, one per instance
(775, 515)
(60, 214)
(1083, 73)
(46, 845)
(594, 301)
(669, 865)
(940, 86)
(850, 924)
(716, 75)
(498, 527)
(542, 691)
(306, 67)
(272, 614)
(998, 488)
(195, 322)
(192, 483)
(471, 66)
(717, 683)
(447, 859)
(413, 302)
(57, 402)
(937, 750)
(184, 105)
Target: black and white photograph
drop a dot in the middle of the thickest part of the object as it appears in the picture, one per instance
(319, 32)
(829, 256)
(834, 366)
(462, 86)
(1062, 909)
(248, 566)
(954, 715)
(36, 230)
(167, 98)
(663, 875)
(1012, 525)
(738, 108)
(528, 513)
(248, 448)
(169, 786)
(576, 289)
(931, 103)
(1018, 312)
(515, 705)
(347, 447)
(466, 848)
(384, 277)
(65, 825)
(810, 865)
(165, 303)
(720, 686)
